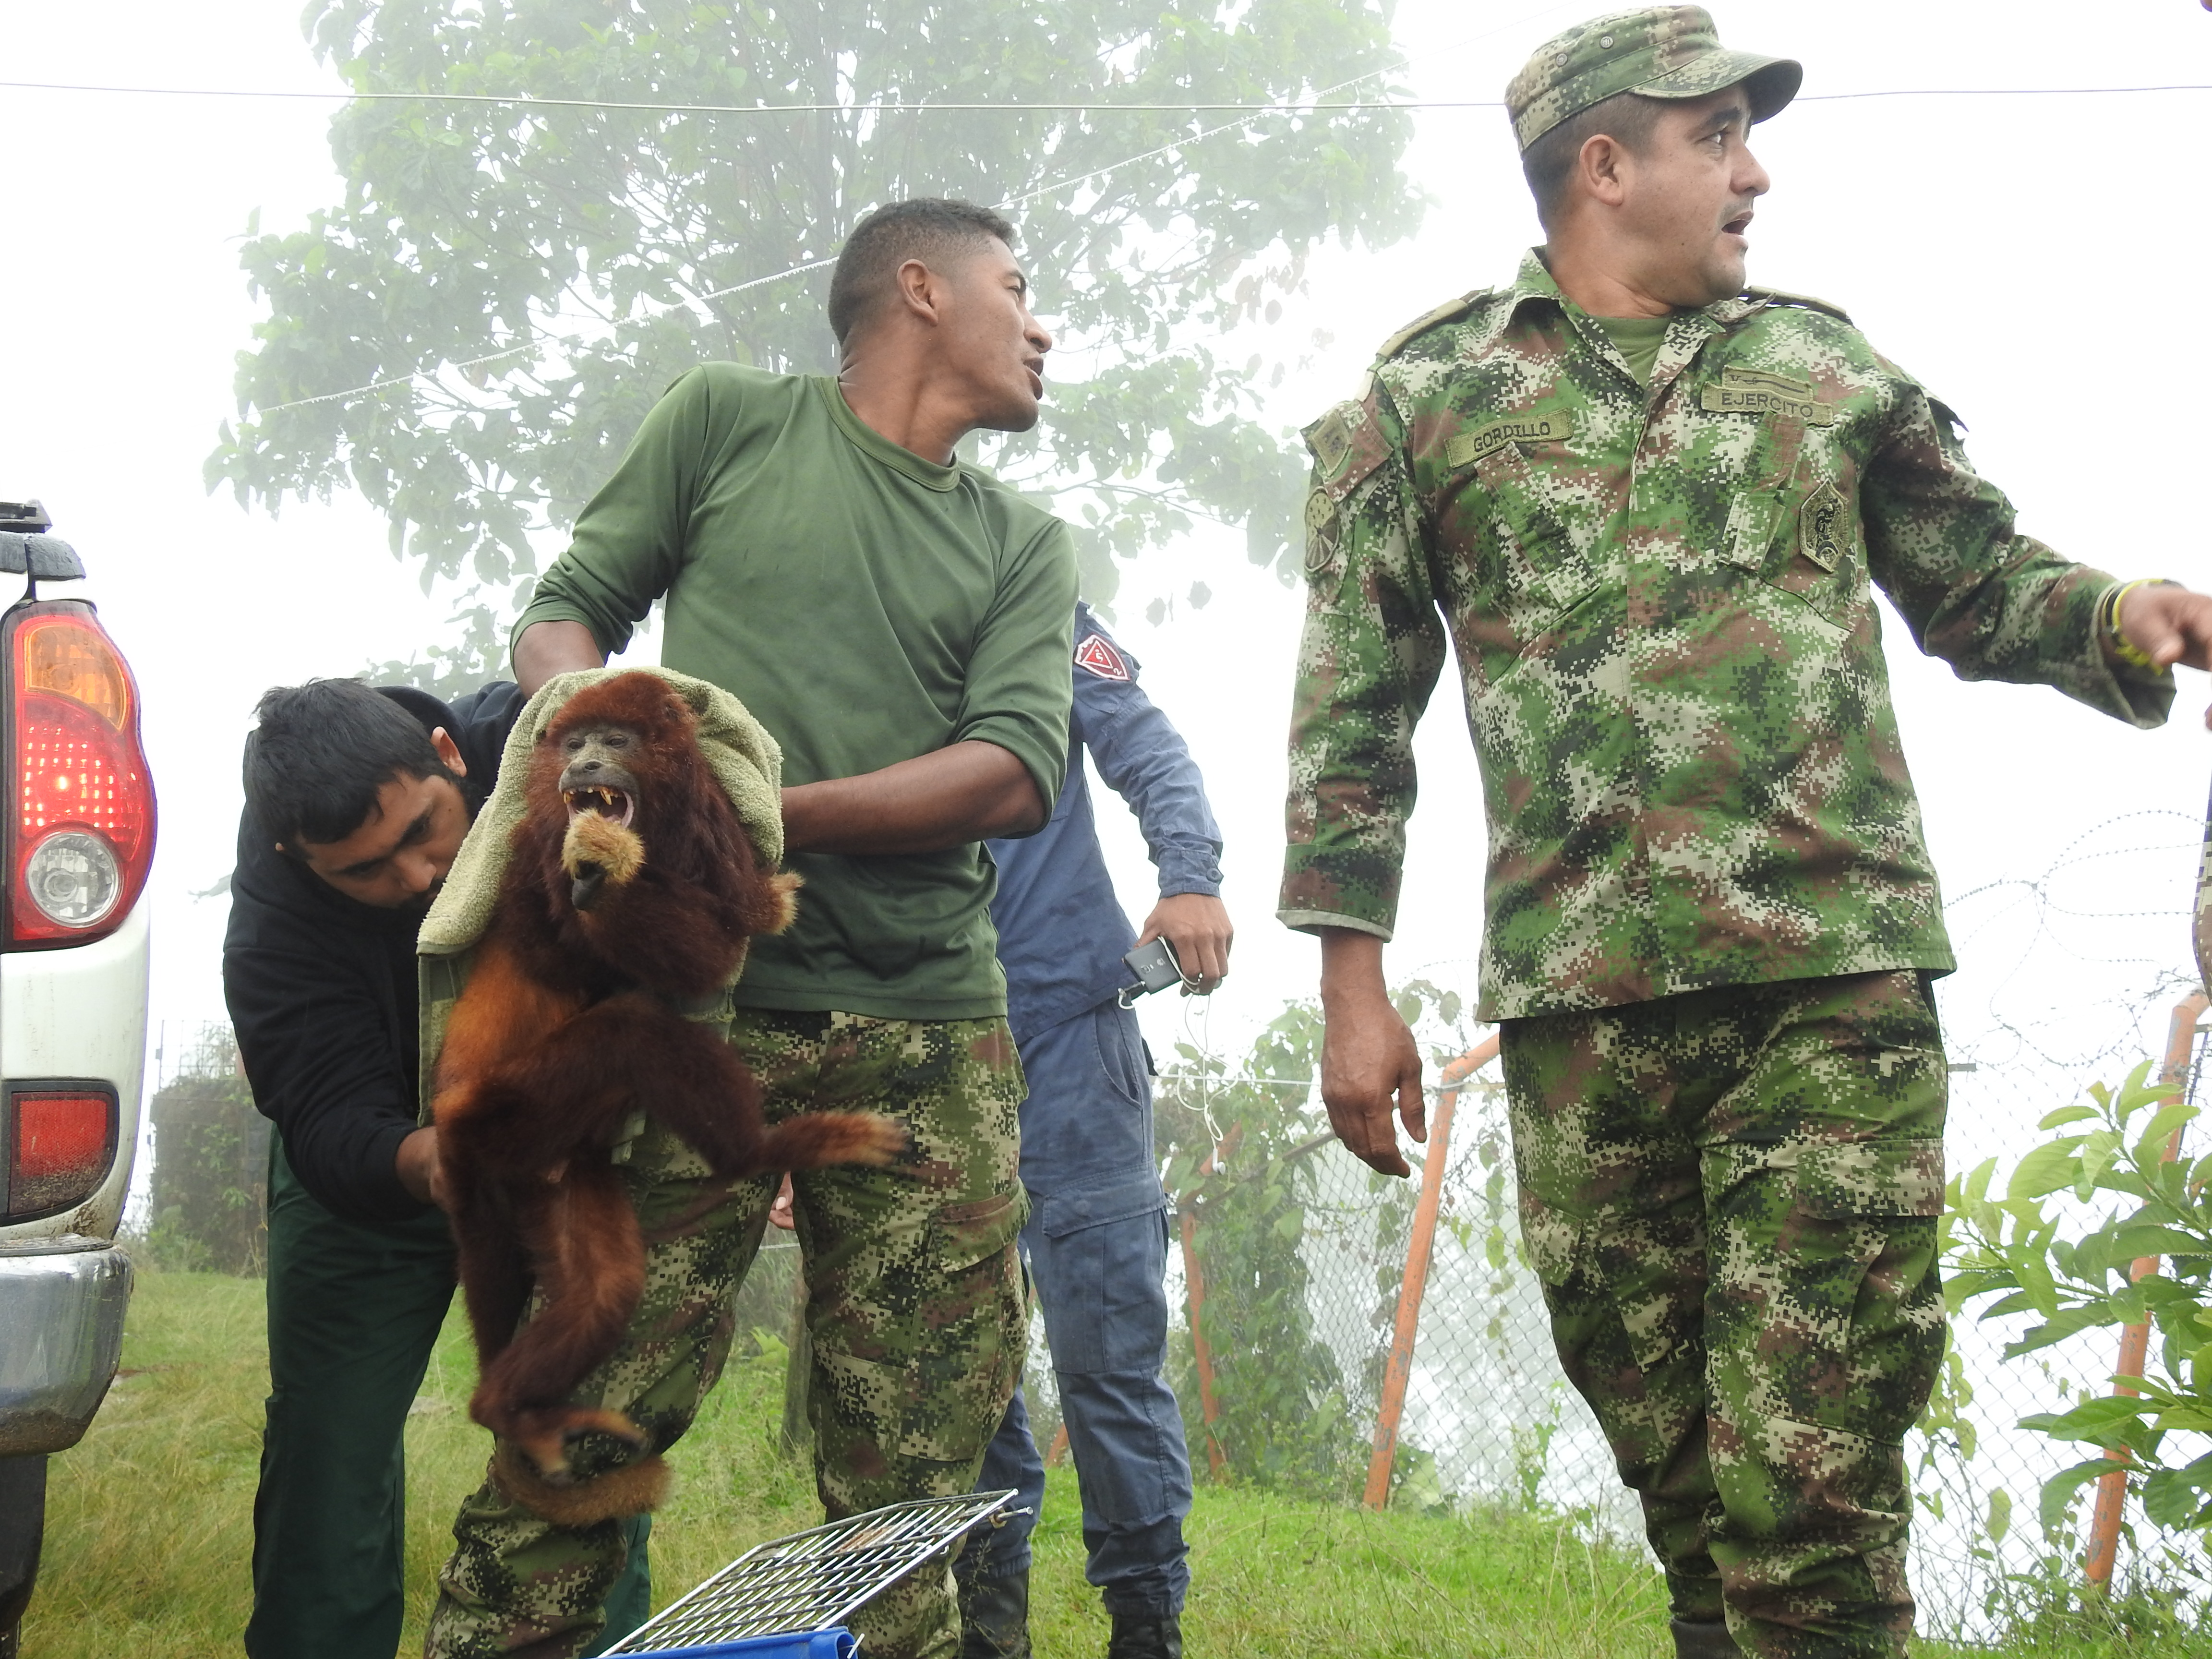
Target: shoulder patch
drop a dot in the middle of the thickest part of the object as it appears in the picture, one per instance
(1347, 446)
(1429, 320)
(1331, 437)
(1783, 297)
(1097, 654)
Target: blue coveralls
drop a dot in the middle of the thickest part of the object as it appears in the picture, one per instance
(1098, 1234)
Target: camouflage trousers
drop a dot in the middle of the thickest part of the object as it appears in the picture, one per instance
(917, 1313)
(1731, 1197)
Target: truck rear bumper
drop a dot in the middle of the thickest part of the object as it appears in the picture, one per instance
(62, 1302)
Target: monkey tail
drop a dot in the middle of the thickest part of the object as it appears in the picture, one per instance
(809, 1142)
(813, 1140)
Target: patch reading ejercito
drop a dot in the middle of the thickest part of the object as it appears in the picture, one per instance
(1465, 448)
(1725, 399)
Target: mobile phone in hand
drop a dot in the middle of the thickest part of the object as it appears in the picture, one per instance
(1154, 966)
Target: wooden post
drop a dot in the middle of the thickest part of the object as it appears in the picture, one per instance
(2135, 1339)
(1193, 1278)
(1419, 1247)
(799, 1369)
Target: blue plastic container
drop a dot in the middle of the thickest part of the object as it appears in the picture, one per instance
(834, 1643)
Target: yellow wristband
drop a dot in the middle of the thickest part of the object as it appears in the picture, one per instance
(2123, 647)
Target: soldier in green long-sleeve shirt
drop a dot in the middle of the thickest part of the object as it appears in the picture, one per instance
(900, 624)
(1647, 508)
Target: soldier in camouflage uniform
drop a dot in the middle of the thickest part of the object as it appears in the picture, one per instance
(900, 621)
(918, 1314)
(1647, 506)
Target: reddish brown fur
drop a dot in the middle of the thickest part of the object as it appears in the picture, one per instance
(564, 1029)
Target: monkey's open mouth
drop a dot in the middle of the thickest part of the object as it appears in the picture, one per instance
(614, 803)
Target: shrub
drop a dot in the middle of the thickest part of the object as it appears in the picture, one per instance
(2038, 1256)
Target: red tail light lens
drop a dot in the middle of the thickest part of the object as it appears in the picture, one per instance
(61, 1144)
(81, 825)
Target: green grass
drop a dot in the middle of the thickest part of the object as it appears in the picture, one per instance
(149, 1528)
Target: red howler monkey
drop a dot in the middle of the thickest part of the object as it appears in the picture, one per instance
(630, 882)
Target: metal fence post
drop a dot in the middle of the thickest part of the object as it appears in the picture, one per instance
(1418, 1250)
(2135, 1339)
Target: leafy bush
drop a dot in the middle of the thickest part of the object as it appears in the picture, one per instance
(2038, 1256)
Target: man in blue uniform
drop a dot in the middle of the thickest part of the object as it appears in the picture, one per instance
(1098, 1234)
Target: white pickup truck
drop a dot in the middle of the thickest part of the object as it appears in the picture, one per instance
(76, 838)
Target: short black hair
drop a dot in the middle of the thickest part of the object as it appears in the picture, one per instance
(923, 227)
(320, 754)
(1626, 117)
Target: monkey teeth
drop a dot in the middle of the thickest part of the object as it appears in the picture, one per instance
(613, 803)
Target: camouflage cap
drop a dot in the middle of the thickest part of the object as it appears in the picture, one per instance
(1660, 51)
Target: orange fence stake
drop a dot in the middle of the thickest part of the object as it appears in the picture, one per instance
(1203, 1350)
(2135, 1339)
(1419, 1248)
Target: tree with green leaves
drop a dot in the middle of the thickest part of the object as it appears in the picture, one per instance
(543, 227)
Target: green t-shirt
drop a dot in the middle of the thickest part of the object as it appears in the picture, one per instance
(1638, 339)
(867, 607)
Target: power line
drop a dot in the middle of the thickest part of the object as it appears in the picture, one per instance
(1292, 106)
(525, 100)
(531, 345)
(1246, 114)
(539, 335)
(1069, 183)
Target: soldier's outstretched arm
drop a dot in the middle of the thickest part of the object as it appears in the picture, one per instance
(1369, 1062)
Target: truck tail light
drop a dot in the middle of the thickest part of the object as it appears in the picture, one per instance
(81, 821)
(60, 1139)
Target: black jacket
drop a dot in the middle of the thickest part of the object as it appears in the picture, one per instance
(322, 992)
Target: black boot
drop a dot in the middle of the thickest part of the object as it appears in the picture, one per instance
(994, 1617)
(1703, 1641)
(1146, 1636)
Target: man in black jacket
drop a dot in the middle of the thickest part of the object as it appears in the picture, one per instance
(357, 799)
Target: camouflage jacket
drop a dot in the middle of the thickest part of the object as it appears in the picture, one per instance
(1661, 607)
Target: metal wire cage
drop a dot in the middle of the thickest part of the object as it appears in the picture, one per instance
(812, 1580)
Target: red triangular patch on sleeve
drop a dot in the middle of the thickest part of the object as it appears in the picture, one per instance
(1097, 654)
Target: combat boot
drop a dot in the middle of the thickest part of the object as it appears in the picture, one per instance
(994, 1617)
(1146, 1636)
(1702, 1640)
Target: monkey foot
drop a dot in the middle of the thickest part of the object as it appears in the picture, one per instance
(632, 1489)
(543, 1436)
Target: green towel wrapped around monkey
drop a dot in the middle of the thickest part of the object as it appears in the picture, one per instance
(744, 758)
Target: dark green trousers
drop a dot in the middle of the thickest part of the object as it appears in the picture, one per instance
(353, 1309)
